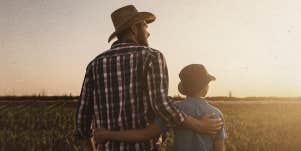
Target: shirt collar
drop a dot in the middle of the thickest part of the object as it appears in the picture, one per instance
(119, 43)
(202, 99)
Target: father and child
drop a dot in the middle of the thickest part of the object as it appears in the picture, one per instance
(194, 85)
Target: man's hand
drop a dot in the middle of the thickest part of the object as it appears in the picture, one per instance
(100, 135)
(207, 124)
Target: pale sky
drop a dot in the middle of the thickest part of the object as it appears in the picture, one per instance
(252, 47)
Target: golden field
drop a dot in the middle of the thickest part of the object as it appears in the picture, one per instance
(251, 125)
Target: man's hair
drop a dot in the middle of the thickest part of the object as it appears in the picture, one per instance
(127, 31)
(123, 33)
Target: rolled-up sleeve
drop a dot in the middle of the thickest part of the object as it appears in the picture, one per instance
(157, 89)
(85, 109)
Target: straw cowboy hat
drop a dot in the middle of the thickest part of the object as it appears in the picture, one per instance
(194, 78)
(127, 16)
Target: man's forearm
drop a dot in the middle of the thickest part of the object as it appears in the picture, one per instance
(127, 136)
(134, 135)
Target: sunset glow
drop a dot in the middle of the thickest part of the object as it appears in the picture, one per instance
(252, 47)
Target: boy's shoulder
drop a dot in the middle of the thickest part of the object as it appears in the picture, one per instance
(189, 107)
(198, 106)
(216, 111)
(188, 103)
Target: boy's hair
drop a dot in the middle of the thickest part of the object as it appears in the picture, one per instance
(203, 91)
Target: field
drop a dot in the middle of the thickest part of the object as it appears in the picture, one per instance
(251, 125)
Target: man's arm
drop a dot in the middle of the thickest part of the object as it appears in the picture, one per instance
(84, 114)
(157, 89)
(134, 135)
(219, 145)
(206, 124)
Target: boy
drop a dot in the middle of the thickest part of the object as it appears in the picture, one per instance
(194, 85)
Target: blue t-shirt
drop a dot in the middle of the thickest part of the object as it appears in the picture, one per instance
(187, 140)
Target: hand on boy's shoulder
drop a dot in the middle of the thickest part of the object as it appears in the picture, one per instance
(218, 112)
(222, 134)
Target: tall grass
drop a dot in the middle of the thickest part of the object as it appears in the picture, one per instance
(255, 126)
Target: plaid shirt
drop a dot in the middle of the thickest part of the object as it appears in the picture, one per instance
(124, 88)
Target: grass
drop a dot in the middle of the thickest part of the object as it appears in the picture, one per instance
(262, 126)
(251, 126)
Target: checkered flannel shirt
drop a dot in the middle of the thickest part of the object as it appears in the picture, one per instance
(124, 88)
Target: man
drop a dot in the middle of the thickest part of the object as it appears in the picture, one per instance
(126, 86)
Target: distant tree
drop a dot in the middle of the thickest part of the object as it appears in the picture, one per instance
(230, 94)
(43, 93)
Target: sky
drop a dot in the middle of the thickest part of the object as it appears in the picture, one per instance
(252, 47)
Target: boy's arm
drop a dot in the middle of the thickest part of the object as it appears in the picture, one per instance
(219, 145)
(219, 141)
(134, 135)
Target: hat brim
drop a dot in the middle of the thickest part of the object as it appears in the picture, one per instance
(211, 77)
(140, 16)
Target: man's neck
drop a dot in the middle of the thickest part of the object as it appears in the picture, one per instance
(128, 40)
(196, 96)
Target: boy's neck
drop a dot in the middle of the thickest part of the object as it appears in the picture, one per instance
(195, 96)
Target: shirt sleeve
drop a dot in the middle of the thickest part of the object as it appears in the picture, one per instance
(85, 109)
(157, 89)
(222, 134)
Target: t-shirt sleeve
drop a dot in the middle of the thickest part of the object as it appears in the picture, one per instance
(159, 122)
(222, 134)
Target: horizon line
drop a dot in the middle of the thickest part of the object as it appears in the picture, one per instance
(177, 95)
